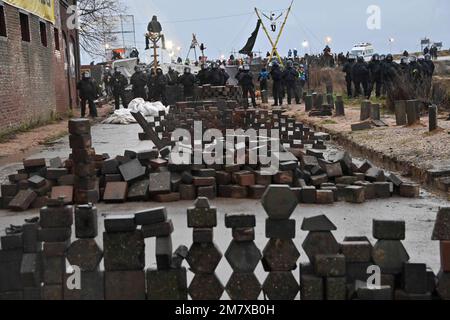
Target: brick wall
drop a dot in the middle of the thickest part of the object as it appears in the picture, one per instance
(34, 81)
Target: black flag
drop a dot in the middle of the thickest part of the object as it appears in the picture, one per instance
(248, 49)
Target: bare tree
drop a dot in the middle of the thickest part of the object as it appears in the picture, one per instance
(97, 19)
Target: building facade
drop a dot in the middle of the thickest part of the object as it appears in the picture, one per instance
(39, 64)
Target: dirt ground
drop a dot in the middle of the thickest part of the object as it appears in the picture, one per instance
(413, 144)
(23, 144)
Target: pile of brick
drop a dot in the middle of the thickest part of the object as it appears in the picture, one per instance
(321, 105)
(227, 92)
(32, 258)
(370, 116)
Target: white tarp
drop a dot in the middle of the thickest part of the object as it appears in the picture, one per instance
(148, 110)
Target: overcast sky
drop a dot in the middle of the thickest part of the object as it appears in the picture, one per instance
(344, 21)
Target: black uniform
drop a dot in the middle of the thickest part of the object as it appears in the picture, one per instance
(290, 77)
(88, 93)
(119, 82)
(361, 77)
(277, 77)
(348, 69)
(202, 76)
(226, 76)
(188, 81)
(215, 77)
(248, 87)
(139, 81)
(160, 83)
(375, 77)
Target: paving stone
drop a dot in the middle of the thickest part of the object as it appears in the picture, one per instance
(23, 200)
(325, 197)
(187, 192)
(159, 183)
(56, 173)
(311, 288)
(56, 217)
(369, 189)
(187, 178)
(445, 255)
(284, 177)
(320, 242)
(179, 256)
(280, 229)
(243, 234)
(12, 242)
(110, 166)
(332, 170)
(86, 222)
(33, 164)
(151, 216)
(10, 264)
(65, 192)
(389, 230)
(204, 181)
(120, 223)
(357, 251)
(336, 288)
(431, 280)
(363, 292)
(279, 202)
(357, 271)
(390, 255)
(395, 180)
(330, 265)
(9, 190)
(318, 223)
(30, 270)
(206, 287)
(85, 254)
(256, 191)
(54, 234)
(317, 180)
(162, 229)
(443, 287)
(31, 244)
(410, 190)
(166, 285)
(92, 287)
(167, 197)
(280, 286)
(262, 179)
(243, 257)
(52, 292)
(125, 285)
(53, 270)
(204, 235)
(55, 249)
(348, 180)
(238, 192)
(309, 195)
(414, 278)
(204, 258)
(15, 178)
(164, 252)
(115, 192)
(442, 225)
(158, 163)
(132, 170)
(36, 181)
(147, 154)
(245, 180)
(202, 217)
(240, 221)
(366, 125)
(207, 192)
(243, 287)
(124, 251)
(79, 126)
(82, 141)
(138, 191)
(355, 194)
(382, 190)
(280, 255)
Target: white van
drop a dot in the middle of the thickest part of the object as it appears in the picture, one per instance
(363, 49)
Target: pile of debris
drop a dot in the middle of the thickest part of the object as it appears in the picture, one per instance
(228, 92)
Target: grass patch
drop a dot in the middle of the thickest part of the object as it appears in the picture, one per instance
(328, 121)
(53, 138)
(9, 134)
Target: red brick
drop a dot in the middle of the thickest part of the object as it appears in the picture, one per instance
(63, 191)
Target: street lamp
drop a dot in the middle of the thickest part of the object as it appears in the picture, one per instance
(169, 45)
(328, 40)
(305, 45)
(391, 41)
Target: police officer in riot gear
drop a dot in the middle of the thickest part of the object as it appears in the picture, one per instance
(277, 77)
(375, 75)
(87, 91)
(119, 82)
(361, 77)
(215, 76)
(138, 81)
(290, 77)
(202, 75)
(248, 87)
(187, 80)
(348, 69)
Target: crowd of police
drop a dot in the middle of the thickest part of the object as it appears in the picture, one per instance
(411, 78)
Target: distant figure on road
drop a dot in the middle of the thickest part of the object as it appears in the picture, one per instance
(87, 91)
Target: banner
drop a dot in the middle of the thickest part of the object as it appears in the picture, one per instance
(251, 41)
(44, 9)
